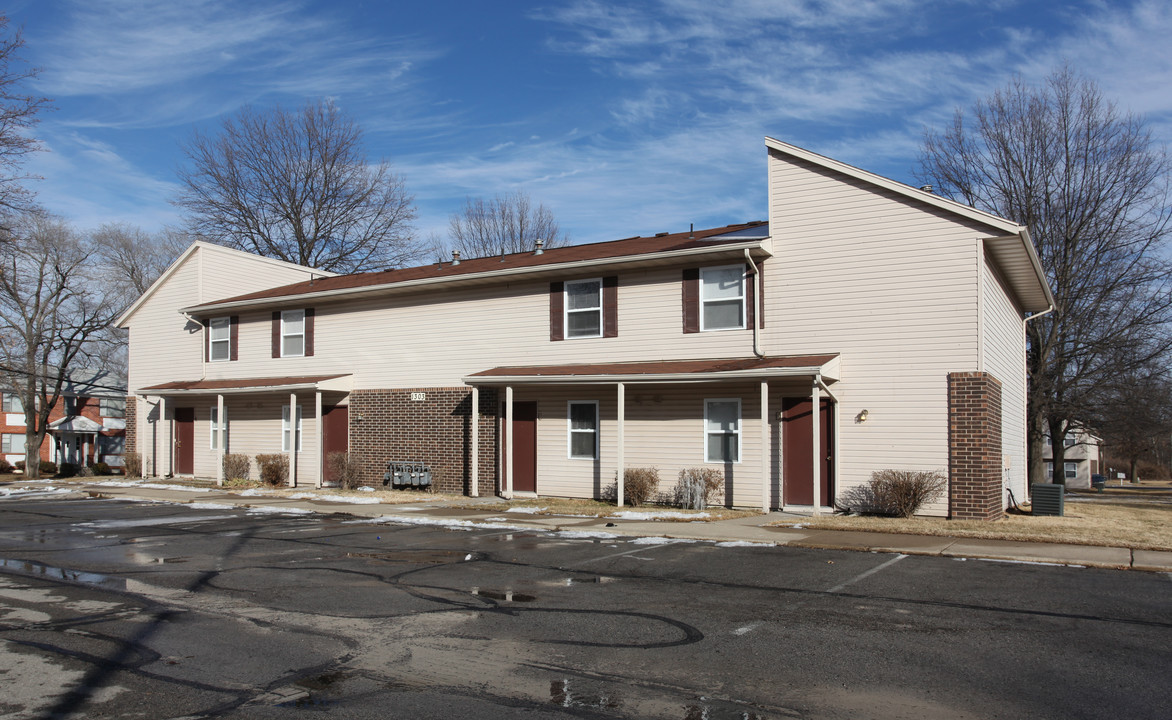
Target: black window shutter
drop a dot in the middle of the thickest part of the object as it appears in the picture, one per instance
(233, 336)
(691, 296)
(557, 311)
(308, 332)
(750, 308)
(276, 333)
(610, 306)
(207, 340)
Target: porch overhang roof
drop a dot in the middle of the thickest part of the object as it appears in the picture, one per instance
(75, 423)
(241, 386)
(663, 371)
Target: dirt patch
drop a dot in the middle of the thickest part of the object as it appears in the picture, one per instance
(1116, 523)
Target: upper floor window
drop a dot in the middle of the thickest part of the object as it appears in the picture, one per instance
(12, 443)
(12, 404)
(220, 339)
(292, 333)
(584, 309)
(722, 298)
(112, 407)
(1068, 440)
(722, 430)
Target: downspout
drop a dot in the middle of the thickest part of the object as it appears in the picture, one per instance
(756, 305)
(1025, 369)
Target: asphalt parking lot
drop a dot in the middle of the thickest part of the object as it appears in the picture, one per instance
(111, 608)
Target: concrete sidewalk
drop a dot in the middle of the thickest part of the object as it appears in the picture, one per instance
(746, 529)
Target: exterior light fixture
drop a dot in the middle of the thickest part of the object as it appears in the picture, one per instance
(861, 417)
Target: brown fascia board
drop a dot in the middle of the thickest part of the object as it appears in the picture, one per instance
(629, 250)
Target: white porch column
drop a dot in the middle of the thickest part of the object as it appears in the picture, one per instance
(766, 447)
(620, 439)
(292, 439)
(321, 448)
(508, 447)
(816, 433)
(168, 449)
(221, 438)
(474, 443)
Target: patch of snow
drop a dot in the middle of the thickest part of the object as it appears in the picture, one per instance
(181, 488)
(148, 522)
(448, 523)
(277, 510)
(585, 535)
(256, 492)
(745, 543)
(346, 499)
(656, 514)
(530, 510)
(658, 541)
(208, 506)
(366, 488)
(33, 491)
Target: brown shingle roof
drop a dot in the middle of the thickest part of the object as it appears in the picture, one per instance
(240, 383)
(554, 256)
(665, 367)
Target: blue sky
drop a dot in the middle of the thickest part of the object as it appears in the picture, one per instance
(624, 119)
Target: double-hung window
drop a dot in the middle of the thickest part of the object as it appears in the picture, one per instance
(112, 407)
(13, 444)
(584, 308)
(583, 428)
(722, 298)
(1068, 440)
(1071, 470)
(285, 428)
(220, 339)
(722, 430)
(293, 333)
(219, 429)
(12, 404)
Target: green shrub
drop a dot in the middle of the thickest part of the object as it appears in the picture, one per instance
(100, 468)
(273, 469)
(344, 467)
(639, 485)
(132, 464)
(66, 470)
(901, 493)
(5, 467)
(697, 487)
(237, 468)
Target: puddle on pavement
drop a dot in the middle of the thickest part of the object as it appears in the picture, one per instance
(37, 569)
(510, 537)
(321, 682)
(507, 595)
(582, 694)
(420, 556)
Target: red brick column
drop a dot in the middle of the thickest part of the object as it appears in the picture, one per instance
(974, 446)
(388, 425)
(131, 424)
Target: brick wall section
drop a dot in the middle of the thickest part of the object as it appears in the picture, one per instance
(388, 425)
(974, 446)
(131, 424)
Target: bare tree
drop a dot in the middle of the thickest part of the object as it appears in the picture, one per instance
(134, 259)
(297, 186)
(1093, 189)
(506, 224)
(18, 113)
(1135, 416)
(54, 313)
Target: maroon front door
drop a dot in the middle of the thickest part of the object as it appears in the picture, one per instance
(798, 449)
(335, 428)
(524, 446)
(184, 441)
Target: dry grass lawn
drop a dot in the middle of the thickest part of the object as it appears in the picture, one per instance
(1117, 523)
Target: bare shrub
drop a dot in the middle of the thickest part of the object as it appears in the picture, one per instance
(345, 468)
(697, 487)
(639, 485)
(899, 493)
(132, 464)
(85, 471)
(237, 467)
(274, 469)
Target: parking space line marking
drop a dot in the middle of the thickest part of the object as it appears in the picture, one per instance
(641, 548)
(866, 574)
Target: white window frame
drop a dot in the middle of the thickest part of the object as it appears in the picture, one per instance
(215, 425)
(704, 301)
(6, 447)
(570, 429)
(1068, 440)
(10, 398)
(286, 334)
(1070, 470)
(104, 408)
(736, 432)
(285, 428)
(566, 311)
(224, 324)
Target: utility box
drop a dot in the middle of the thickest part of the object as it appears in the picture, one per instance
(1048, 499)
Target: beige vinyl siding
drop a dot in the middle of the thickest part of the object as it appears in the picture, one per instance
(664, 429)
(1003, 346)
(227, 273)
(889, 283)
(435, 338)
(254, 428)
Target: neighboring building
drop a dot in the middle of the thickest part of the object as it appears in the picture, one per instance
(87, 424)
(1082, 455)
(881, 324)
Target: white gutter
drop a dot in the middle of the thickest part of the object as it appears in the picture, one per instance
(464, 277)
(757, 290)
(642, 377)
(224, 391)
(1047, 311)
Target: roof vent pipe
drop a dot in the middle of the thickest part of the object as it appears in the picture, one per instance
(926, 188)
(455, 257)
(691, 230)
(537, 246)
